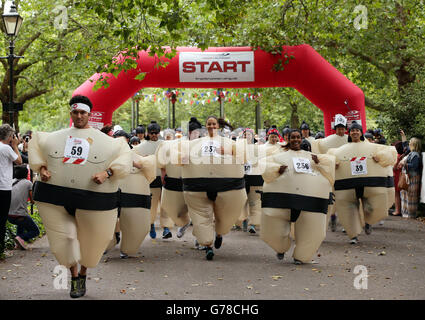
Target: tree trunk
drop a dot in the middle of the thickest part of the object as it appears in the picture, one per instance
(295, 121)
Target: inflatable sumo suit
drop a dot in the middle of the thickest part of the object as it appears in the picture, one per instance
(135, 203)
(78, 214)
(254, 168)
(172, 198)
(213, 185)
(148, 148)
(299, 197)
(359, 177)
(322, 146)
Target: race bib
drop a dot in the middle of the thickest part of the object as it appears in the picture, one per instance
(210, 148)
(358, 166)
(247, 168)
(76, 151)
(302, 165)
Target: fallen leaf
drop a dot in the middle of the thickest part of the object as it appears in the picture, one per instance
(165, 276)
(44, 255)
(141, 270)
(322, 284)
(330, 275)
(219, 278)
(96, 279)
(195, 285)
(166, 293)
(3, 278)
(249, 287)
(132, 289)
(277, 277)
(17, 265)
(383, 253)
(122, 291)
(43, 285)
(306, 289)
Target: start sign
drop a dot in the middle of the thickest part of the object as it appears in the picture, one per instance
(216, 66)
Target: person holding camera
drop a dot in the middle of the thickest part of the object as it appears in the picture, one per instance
(9, 154)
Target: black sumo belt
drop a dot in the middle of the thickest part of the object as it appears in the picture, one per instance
(213, 185)
(352, 183)
(295, 202)
(72, 199)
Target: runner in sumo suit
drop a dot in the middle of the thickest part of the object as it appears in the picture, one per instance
(77, 196)
(361, 181)
(213, 184)
(297, 187)
(336, 140)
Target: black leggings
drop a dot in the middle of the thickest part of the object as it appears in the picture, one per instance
(5, 198)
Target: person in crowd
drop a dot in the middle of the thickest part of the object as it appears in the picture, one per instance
(213, 184)
(172, 197)
(251, 214)
(9, 154)
(369, 137)
(169, 134)
(18, 213)
(336, 140)
(361, 175)
(413, 168)
(305, 130)
(285, 133)
(140, 132)
(379, 138)
(134, 141)
(77, 196)
(297, 186)
(146, 148)
(319, 135)
(108, 130)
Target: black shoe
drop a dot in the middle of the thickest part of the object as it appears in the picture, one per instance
(298, 262)
(280, 256)
(333, 223)
(75, 288)
(368, 229)
(210, 253)
(354, 240)
(82, 280)
(218, 241)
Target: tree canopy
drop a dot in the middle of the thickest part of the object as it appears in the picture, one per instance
(378, 45)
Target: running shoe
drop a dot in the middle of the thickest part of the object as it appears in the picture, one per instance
(82, 280)
(123, 255)
(166, 234)
(333, 223)
(251, 229)
(368, 229)
(152, 233)
(218, 241)
(75, 288)
(210, 253)
(245, 225)
(280, 256)
(354, 240)
(182, 230)
(21, 243)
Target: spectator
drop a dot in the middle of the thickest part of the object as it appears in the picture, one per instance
(18, 212)
(108, 129)
(9, 154)
(413, 168)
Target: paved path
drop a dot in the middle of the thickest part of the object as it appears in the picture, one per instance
(244, 268)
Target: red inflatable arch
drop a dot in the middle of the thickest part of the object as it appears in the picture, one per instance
(236, 67)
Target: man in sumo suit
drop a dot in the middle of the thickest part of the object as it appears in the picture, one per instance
(361, 177)
(77, 196)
